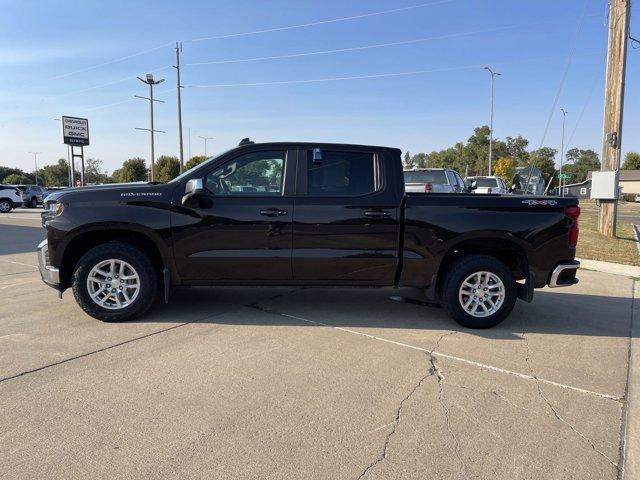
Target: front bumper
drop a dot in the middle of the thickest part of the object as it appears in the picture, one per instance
(50, 275)
(17, 204)
(564, 274)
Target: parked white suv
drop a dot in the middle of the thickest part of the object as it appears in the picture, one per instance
(487, 185)
(10, 198)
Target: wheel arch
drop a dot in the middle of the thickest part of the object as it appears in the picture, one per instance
(507, 249)
(81, 241)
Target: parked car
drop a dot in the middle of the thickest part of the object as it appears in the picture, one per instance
(340, 217)
(637, 198)
(49, 190)
(487, 185)
(433, 180)
(10, 198)
(31, 195)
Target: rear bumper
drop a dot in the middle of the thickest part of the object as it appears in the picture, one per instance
(564, 274)
(50, 275)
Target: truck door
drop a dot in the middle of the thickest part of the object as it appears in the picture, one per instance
(240, 229)
(346, 222)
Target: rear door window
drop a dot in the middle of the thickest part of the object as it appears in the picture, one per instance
(335, 173)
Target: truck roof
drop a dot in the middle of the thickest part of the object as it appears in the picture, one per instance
(325, 145)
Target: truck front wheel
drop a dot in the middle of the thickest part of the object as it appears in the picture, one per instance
(115, 282)
(479, 291)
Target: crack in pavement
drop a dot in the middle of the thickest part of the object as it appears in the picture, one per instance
(447, 413)
(555, 412)
(395, 423)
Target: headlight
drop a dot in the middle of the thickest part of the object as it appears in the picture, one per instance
(56, 208)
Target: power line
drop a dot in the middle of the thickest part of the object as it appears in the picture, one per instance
(369, 76)
(107, 84)
(116, 60)
(352, 49)
(572, 51)
(321, 22)
(242, 34)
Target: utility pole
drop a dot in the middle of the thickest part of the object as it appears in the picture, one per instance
(35, 161)
(564, 118)
(177, 67)
(493, 76)
(151, 82)
(619, 13)
(205, 143)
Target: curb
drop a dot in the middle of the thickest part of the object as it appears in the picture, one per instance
(631, 425)
(609, 267)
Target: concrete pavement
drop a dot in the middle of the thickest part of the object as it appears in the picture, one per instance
(311, 383)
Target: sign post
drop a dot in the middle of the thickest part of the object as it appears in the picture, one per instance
(75, 133)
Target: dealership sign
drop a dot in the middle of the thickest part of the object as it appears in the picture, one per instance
(75, 131)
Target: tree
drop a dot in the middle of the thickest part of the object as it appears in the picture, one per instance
(56, 175)
(407, 162)
(194, 161)
(517, 148)
(544, 160)
(6, 171)
(584, 161)
(505, 167)
(167, 168)
(94, 173)
(132, 170)
(631, 161)
(16, 178)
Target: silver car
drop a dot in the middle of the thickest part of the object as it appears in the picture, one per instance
(433, 180)
(31, 195)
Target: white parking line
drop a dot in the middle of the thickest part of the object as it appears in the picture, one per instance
(19, 263)
(460, 359)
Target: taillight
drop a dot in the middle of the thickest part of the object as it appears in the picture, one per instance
(428, 187)
(573, 212)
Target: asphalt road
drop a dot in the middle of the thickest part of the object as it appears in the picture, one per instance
(308, 383)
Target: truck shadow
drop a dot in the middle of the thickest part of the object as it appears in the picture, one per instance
(551, 312)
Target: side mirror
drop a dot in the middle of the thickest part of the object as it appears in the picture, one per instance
(194, 187)
(472, 186)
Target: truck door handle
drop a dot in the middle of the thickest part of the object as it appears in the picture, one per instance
(273, 212)
(376, 213)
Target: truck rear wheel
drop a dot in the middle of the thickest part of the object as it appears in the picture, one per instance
(115, 282)
(479, 291)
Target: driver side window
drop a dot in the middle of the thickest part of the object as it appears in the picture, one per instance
(256, 173)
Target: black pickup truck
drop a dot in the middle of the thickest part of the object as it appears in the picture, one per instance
(304, 214)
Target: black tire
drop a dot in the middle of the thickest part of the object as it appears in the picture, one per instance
(458, 272)
(5, 205)
(119, 251)
(34, 203)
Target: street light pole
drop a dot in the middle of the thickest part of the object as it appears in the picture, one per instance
(151, 82)
(179, 86)
(493, 76)
(35, 161)
(205, 143)
(564, 118)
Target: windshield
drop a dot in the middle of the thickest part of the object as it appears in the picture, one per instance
(187, 172)
(425, 176)
(484, 182)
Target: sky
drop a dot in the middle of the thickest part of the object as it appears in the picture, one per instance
(401, 73)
